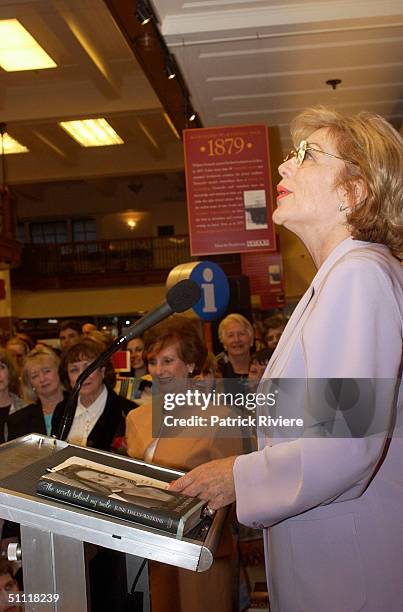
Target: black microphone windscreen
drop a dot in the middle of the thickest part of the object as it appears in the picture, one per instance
(182, 296)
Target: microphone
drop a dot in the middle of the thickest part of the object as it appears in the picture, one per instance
(179, 298)
(182, 296)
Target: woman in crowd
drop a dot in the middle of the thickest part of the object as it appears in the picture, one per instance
(274, 327)
(136, 349)
(16, 418)
(18, 347)
(9, 588)
(174, 350)
(141, 384)
(205, 378)
(258, 364)
(236, 335)
(331, 507)
(41, 380)
(99, 418)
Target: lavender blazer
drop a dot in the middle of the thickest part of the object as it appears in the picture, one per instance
(332, 509)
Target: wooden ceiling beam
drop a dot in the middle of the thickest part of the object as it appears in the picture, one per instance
(151, 52)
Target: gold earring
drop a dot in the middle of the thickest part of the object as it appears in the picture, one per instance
(342, 208)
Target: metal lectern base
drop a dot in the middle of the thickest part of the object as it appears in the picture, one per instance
(54, 535)
(54, 564)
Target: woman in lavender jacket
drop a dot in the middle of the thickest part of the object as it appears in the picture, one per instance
(331, 506)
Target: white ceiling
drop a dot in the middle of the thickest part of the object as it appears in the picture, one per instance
(243, 62)
(97, 75)
(262, 61)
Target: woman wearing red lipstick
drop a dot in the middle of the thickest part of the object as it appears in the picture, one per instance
(175, 350)
(330, 499)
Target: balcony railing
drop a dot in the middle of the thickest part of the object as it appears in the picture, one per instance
(106, 262)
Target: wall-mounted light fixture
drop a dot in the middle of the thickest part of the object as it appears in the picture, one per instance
(131, 224)
(170, 69)
(143, 12)
(190, 114)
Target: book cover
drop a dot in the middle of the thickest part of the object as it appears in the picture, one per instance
(126, 495)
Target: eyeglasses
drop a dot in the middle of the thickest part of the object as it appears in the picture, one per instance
(302, 149)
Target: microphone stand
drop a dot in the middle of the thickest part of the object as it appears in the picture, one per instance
(179, 298)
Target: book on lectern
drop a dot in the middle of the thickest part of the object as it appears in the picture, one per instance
(127, 495)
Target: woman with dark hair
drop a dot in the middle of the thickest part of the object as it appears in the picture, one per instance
(99, 418)
(136, 350)
(175, 350)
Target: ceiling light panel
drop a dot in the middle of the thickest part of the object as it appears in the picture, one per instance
(19, 50)
(10, 145)
(92, 132)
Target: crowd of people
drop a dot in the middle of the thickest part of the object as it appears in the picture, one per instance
(36, 380)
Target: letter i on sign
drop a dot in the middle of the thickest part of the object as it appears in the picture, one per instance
(208, 291)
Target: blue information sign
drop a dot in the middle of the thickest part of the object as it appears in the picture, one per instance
(214, 287)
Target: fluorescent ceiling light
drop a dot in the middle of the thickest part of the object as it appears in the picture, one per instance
(171, 125)
(19, 50)
(92, 132)
(11, 145)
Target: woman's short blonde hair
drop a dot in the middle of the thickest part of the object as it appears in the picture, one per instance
(37, 356)
(377, 150)
(235, 318)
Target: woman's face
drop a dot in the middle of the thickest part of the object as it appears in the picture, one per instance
(18, 351)
(4, 377)
(109, 480)
(136, 347)
(44, 377)
(307, 200)
(256, 371)
(236, 339)
(93, 384)
(167, 368)
(8, 586)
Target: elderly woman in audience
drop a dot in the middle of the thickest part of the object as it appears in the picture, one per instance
(99, 418)
(174, 351)
(236, 335)
(41, 381)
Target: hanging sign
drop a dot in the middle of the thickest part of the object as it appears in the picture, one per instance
(228, 189)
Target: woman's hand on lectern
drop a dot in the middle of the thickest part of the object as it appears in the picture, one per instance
(213, 482)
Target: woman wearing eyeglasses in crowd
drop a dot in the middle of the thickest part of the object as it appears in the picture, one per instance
(331, 507)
